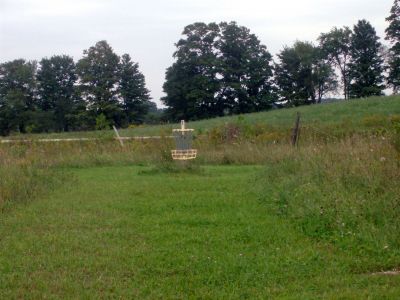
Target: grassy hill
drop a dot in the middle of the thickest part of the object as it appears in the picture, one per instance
(341, 116)
(355, 113)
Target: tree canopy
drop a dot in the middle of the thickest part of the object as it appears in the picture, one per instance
(56, 90)
(366, 65)
(245, 70)
(134, 95)
(17, 95)
(302, 75)
(98, 71)
(393, 35)
(336, 45)
(219, 69)
(191, 82)
(58, 95)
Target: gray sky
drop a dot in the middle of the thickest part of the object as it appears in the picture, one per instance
(148, 29)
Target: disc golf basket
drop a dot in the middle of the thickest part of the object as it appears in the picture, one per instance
(183, 138)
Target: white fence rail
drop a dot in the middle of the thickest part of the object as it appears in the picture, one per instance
(138, 138)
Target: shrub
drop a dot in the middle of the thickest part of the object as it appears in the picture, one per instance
(102, 123)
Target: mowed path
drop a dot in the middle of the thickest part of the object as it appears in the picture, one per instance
(127, 232)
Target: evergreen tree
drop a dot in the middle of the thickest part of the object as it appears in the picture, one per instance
(393, 35)
(56, 79)
(366, 66)
(17, 96)
(98, 74)
(336, 46)
(133, 92)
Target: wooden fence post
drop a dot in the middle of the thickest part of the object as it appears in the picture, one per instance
(118, 137)
(296, 131)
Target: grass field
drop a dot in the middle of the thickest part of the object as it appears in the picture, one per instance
(251, 218)
(131, 232)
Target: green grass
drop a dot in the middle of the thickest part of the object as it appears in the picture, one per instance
(129, 232)
(97, 220)
(342, 116)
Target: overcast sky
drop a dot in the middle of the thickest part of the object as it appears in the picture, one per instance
(148, 29)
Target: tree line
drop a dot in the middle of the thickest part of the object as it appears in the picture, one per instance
(224, 69)
(219, 69)
(57, 94)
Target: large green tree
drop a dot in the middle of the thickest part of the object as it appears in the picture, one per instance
(366, 66)
(98, 72)
(219, 68)
(17, 95)
(56, 79)
(191, 82)
(135, 98)
(393, 35)
(246, 70)
(336, 46)
(302, 75)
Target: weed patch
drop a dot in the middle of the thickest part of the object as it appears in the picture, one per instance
(346, 193)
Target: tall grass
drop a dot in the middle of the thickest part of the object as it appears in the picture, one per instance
(347, 192)
(21, 179)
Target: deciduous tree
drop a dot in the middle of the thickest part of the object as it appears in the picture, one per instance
(246, 70)
(17, 95)
(219, 68)
(191, 82)
(336, 46)
(56, 80)
(302, 74)
(98, 72)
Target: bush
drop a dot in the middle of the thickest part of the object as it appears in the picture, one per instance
(102, 123)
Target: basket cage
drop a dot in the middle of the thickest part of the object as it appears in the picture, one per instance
(183, 140)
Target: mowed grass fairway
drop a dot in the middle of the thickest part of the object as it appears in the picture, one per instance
(131, 232)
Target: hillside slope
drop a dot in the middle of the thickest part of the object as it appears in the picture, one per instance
(351, 115)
